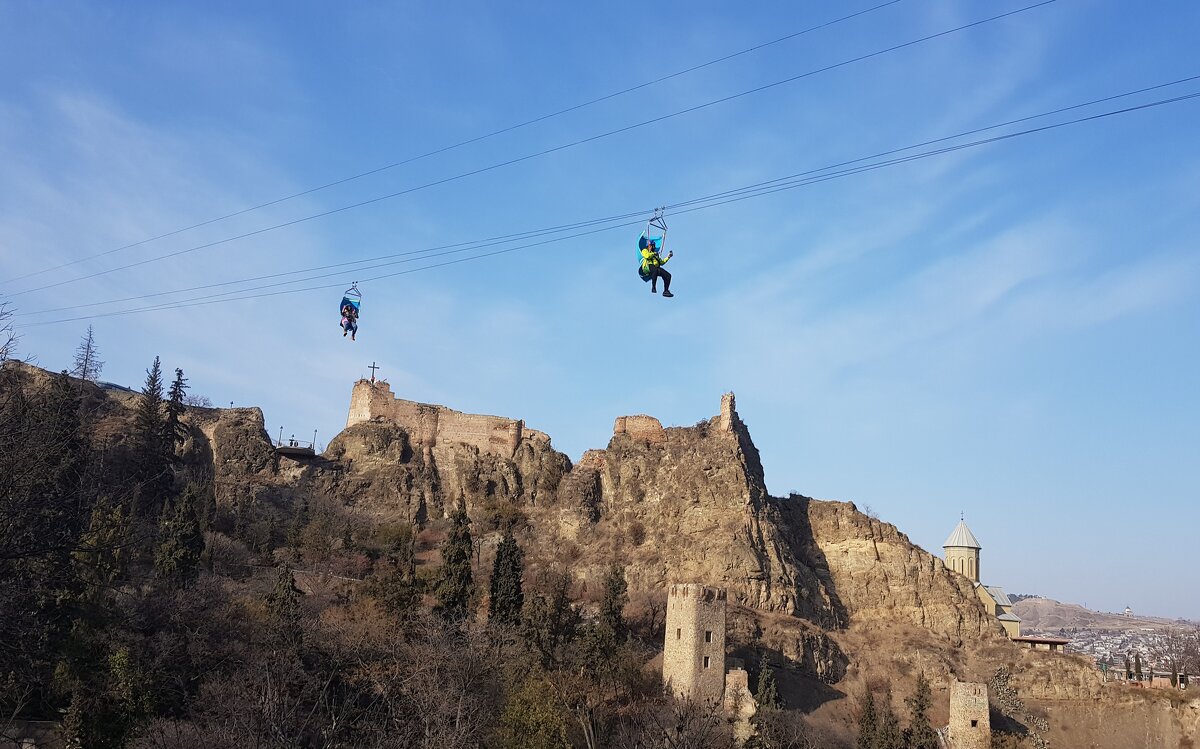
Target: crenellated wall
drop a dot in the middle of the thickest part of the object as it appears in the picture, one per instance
(429, 425)
(694, 644)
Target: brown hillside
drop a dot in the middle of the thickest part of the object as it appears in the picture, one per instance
(843, 601)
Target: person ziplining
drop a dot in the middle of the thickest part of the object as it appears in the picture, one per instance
(652, 261)
(350, 306)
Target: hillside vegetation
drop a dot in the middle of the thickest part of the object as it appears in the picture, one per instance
(170, 581)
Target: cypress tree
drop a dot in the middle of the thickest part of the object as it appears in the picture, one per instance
(456, 586)
(178, 558)
(550, 620)
(506, 598)
(284, 605)
(397, 587)
(868, 724)
(766, 693)
(612, 607)
(920, 734)
(889, 735)
(1137, 665)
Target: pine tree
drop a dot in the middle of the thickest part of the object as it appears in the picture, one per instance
(174, 431)
(1137, 666)
(456, 586)
(612, 607)
(766, 693)
(506, 598)
(153, 471)
(920, 734)
(87, 365)
(868, 724)
(284, 605)
(177, 560)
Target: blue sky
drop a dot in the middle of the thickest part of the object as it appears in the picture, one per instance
(1009, 331)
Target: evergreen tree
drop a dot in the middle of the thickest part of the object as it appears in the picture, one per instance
(766, 693)
(889, 735)
(868, 724)
(1137, 665)
(533, 718)
(87, 358)
(612, 607)
(178, 558)
(174, 431)
(103, 549)
(551, 621)
(456, 586)
(506, 598)
(920, 734)
(397, 587)
(150, 453)
(284, 605)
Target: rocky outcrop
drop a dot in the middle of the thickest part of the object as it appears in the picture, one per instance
(381, 473)
(687, 503)
(879, 575)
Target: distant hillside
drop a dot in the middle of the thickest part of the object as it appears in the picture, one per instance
(1046, 614)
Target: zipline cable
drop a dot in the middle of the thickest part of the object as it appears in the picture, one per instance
(767, 190)
(460, 144)
(533, 233)
(537, 154)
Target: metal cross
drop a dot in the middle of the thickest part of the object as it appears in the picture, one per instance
(373, 367)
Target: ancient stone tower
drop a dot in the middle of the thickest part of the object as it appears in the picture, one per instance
(694, 651)
(962, 552)
(970, 727)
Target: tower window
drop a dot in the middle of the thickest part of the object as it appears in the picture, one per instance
(974, 724)
(679, 634)
(708, 635)
(706, 661)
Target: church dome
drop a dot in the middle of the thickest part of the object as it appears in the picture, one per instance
(962, 538)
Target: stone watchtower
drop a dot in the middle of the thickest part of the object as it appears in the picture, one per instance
(970, 727)
(694, 651)
(962, 552)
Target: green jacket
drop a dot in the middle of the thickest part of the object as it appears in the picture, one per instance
(651, 258)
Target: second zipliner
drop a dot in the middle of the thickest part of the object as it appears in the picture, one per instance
(650, 249)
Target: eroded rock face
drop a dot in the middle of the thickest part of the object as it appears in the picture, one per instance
(683, 504)
(382, 474)
(879, 575)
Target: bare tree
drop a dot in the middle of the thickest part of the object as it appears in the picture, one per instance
(682, 724)
(1170, 652)
(87, 358)
(8, 335)
(196, 400)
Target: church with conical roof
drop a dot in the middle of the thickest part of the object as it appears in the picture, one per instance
(962, 556)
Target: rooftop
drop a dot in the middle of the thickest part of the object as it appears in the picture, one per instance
(962, 537)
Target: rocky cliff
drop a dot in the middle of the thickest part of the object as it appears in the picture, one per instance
(847, 599)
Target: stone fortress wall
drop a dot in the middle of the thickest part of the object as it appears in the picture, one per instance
(430, 425)
(694, 648)
(650, 429)
(970, 726)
